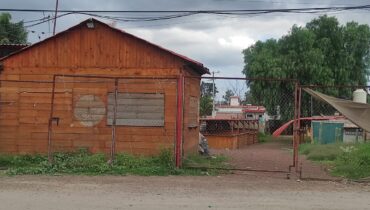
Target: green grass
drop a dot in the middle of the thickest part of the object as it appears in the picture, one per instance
(354, 163)
(262, 137)
(348, 160)
(321, 152)
(84, 163)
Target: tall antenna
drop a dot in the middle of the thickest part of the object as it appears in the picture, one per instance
(55, 16)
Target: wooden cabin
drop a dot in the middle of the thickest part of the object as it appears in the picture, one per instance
(83, 107)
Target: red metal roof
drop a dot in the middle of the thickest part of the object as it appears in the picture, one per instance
(193, 64)
(247, 108)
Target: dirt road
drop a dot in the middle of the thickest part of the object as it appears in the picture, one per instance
(247, 191)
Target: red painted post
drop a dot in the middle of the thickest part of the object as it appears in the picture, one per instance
(296, 124)
(179, 120)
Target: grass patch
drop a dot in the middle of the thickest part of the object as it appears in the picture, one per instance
(354, 163)
(262, 137)
(348, 160)
(84, 163)
(321, 152)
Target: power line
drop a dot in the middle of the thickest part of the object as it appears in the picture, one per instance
(194, 11)
(174, 14)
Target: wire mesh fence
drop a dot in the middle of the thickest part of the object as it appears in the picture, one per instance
(146, 115)
(326, 134)
(97, 114)
(237, 115)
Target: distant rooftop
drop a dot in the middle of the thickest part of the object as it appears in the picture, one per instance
(6, 49)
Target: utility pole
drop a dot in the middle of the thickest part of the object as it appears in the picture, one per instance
(55, 16)
(213, 92)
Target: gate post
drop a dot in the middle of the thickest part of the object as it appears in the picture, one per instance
(296, 124)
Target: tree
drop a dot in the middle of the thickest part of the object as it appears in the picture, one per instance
(206, 98)
(226, 97)
(205, 106)
(11, 33)
(206, 89)
(322, 52)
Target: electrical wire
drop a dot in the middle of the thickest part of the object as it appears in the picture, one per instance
(193, 11)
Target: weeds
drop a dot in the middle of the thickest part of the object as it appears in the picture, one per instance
(321, 152)
(84, 163)
(354, 163)
(349, 161)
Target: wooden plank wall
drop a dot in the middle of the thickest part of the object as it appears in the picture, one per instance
(222, 142)
(101, 51)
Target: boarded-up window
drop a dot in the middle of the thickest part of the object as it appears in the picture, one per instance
(137, 109)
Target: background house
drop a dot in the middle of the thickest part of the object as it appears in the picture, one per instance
(6, 49)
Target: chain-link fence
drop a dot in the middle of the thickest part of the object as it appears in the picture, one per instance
(326, 133)
(237, 118)
(146, 115)
(94, 113)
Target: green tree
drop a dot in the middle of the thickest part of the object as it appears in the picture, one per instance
(206, 89)
(205, 106)
(323, 52)
(206, 98)
(226, 96)
(11, 33)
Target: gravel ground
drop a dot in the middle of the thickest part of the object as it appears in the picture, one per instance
(247, 191)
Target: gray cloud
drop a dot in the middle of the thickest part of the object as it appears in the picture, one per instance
(216, 41)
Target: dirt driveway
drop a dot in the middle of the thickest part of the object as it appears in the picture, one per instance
(248, 191)
(275, 155)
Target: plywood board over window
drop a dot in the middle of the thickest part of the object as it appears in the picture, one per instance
(137, 109)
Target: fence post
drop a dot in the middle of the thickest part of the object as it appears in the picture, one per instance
(296, 124)
(50, 123)
(179, 121)
(113, 144)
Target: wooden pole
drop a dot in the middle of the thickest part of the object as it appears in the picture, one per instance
(55, 16)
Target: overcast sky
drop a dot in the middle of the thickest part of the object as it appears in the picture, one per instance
(215, 41)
